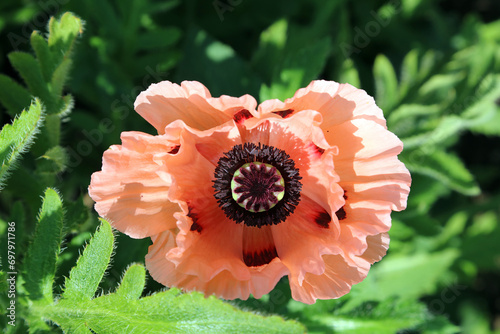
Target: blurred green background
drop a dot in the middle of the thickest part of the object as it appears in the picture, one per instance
(432, 66)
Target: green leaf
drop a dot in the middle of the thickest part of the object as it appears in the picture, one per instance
(374, 319)
(402, 120)
(349, 73)
(448, 126)
(409, 72)
(60, 77)
(62, 35)
(444, 167)
(297, 71)
(386, 83)
(132, 283)
(408, 277)
(166, 312)
(40, 263)
(13, 96)
(125, 312)
(50, 136)
(76, 212)
(270, 52)
(29, 69)
(17, 138)
(217, 65)
(43, 54)
(480, 244)
(53, 161)
(85, 277)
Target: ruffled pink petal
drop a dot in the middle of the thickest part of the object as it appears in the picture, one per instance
(377, 247)
(165, 102)
(128, 191)
(224, 284)
(304, 237)
(337, 103)
(374, 180)
(336, 280)
(340, 273)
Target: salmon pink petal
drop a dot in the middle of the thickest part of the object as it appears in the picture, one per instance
(337, 103)
(128, 191)
(223, 285)
(191, 102)
(336, 280)
(304, 238)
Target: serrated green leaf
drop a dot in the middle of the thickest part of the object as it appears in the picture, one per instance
(13, 96)
(386, 83)
(123, 312)
(132, 283)
(30, 70)
(50, 136)
(40, 263)
(444, 167)
(167, 312)
(62, 35)
(85, 277)
(17, 138)
(43, 54)
(60, 77)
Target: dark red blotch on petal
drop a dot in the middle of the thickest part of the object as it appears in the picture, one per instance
(242, 115)
(284, 113)
(175, 149)
(261, 258)
(194, 217)
(323, 219)
(341, 215)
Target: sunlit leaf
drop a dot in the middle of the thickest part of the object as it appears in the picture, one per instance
(85, 277)
(444, 167)
(40, 263)
(386, 83)
(15, 139)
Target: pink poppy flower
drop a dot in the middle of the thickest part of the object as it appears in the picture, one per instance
(235, 196)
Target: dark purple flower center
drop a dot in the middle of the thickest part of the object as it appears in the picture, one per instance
(257, 186)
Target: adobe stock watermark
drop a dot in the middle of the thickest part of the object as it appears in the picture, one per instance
(37, 23)
(122, 106)
(222, 6)
(11, 273)
(363, 37)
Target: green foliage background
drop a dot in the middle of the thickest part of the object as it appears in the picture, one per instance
(433, 67)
